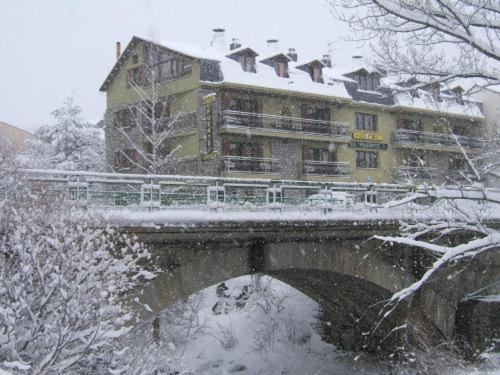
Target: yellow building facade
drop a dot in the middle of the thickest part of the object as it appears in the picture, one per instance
(237, 114)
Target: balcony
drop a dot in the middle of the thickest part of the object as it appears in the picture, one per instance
(408, 137)
(242, 164)
(235, 119)
(176, 123)
(323, 168)
(416, 173)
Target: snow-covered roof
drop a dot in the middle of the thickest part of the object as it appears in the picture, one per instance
(192, 50)
(266, 77)
(448, 104)
(300, 81)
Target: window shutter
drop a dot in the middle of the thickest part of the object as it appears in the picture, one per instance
(225, 101)
(304, 152)
(225, 147)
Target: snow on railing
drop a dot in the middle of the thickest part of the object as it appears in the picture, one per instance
(155, 192)
(403, 136)
(245, 164)
(324, 168)
(283, 123)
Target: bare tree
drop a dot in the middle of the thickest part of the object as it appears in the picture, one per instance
(147, 126)
(442, 39)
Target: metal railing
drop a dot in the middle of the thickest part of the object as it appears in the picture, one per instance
(416, 173)
(250, 165)
(323, 168)
(152, 192)
(235, 119)
(403, 136)
(176, 123)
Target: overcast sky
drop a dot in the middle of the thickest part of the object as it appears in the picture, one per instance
(53, 49)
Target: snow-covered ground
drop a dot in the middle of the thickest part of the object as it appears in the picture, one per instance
(259, 325)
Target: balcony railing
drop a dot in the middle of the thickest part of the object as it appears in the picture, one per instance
(244, 164)
(402, 136)
(235, 119)
(175, 123)
(323, 168)
(416, 173)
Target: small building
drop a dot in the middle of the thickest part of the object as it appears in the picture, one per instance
(272, 114)
(14, 136)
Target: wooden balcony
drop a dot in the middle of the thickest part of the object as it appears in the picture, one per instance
(323, 168)
(412, 137)
(250, 165)
(283, 124)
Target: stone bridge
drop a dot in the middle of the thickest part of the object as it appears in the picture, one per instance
(334, 263)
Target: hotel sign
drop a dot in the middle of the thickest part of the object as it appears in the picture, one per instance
(208, 104)
(367, 136)
(371, 145)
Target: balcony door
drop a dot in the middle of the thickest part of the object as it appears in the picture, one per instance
(243, 149)
(319, 154)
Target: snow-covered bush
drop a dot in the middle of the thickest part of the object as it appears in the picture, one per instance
(65, 289)
(69, 144)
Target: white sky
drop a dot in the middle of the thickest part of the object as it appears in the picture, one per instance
(53, 49)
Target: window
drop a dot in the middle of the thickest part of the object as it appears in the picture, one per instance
(245, 149)
(365, 121)
(281, 68)
(316, 74)
(160, 118)
(135, 59)
(135, 76)
(410, 124)
(366, 159)
(167, 65)
(124, 118)
(369, 82)
(416, 159)
(315, 112)
(243, 105)
(459, 164)
(125, 159)
(247, 63)
(319, 154)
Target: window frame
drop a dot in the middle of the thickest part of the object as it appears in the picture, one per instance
(369, 159)
(362, 125)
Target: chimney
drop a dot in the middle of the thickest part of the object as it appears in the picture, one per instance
(292, 54)
(219, 39)
(118, 50)
(235, 44)
(272, 45)
(327, 60)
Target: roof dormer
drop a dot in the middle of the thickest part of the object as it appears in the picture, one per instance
(279, 62)
(368, 81)
(435, 90)
(315, 70)
(246, 57)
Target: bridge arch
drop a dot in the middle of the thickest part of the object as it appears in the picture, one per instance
(347, 280)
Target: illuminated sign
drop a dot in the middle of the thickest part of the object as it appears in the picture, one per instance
(367, 136)
(208, 104)
(378, 146)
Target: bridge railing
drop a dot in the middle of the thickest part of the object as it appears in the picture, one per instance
(137, 191)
